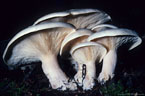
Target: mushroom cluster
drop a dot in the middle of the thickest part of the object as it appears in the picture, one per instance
(83, 34)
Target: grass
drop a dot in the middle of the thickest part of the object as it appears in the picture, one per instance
(114, 89)
(13, 88)
(124, 84)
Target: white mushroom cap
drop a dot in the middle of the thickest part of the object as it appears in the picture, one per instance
(80, 18)
(52, 15)
(96, 51)
(122, 35)
(82, 11)
(66, 13)
(103, 26)
(33, 29)
(73, 36)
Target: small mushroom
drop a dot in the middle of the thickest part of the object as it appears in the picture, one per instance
(41, 43)
(87, 53)
(112, 39)
(80, 18)
(83, 53)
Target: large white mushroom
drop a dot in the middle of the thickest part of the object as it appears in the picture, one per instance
(41, 43)
(112, 39)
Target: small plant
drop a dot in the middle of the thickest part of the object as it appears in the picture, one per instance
(12, 88)
(16, 90)
(113, 89)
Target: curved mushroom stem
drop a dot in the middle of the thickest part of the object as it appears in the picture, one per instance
(109, 63)
(87, 81)
(56, 76)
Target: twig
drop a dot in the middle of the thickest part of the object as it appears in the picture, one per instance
(83, 72)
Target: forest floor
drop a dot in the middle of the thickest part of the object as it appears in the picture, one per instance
(19, 83)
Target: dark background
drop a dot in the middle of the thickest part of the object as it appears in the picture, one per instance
(16, 15)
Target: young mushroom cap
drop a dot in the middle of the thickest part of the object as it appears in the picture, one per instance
(88, 51)
(80, 18)
(71, 39)
(118, 37)
(20, 37)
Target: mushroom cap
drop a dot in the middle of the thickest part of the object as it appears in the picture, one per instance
(66, 13)
(80, 18)
(73, 36)
(82, 11)
(33, 29)
(103, 26)
(88, 51)
(50, 16)
(127, 34)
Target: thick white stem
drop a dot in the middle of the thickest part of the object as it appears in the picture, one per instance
(56, 76)
(91, 69)
(51, 68)
(109, 64)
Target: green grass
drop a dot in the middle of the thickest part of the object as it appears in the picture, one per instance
(117, 89)
(19, 89)
(113, 89)
(12, 88)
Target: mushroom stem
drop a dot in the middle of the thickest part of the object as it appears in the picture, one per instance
(109, 63)
(50, 65)
(91, 69)
(56, 76)
(88, 81)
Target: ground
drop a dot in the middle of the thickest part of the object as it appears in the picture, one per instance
(17, 82)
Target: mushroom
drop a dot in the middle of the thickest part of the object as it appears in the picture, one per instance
(41, 43)
(112, 39)
(80, 18)
(84, 53)
(87, 54)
